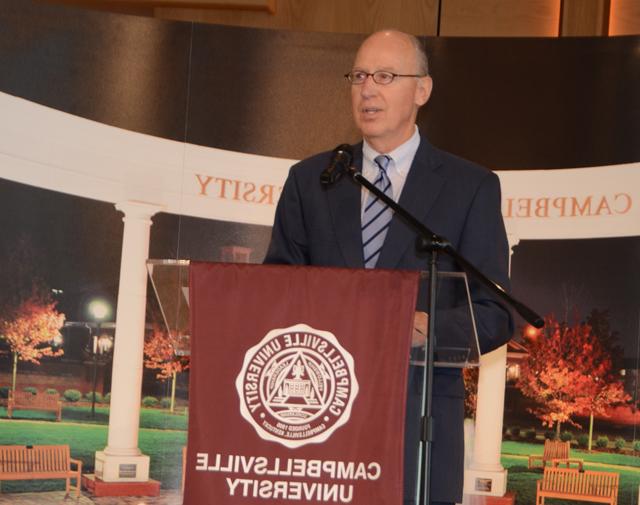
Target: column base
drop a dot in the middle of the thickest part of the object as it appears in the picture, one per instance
(98, 487)
(111, 468)
(485, 482)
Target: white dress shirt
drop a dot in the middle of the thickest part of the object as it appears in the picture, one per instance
(398, 168)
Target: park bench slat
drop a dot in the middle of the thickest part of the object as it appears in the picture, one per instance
(553, 449)
(572, 484)
(20, 462)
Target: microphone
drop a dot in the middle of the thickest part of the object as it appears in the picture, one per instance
(340, 161)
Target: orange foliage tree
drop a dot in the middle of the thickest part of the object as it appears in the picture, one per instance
(568, 372)
(606, 387)
(29, 331)
(161, 351)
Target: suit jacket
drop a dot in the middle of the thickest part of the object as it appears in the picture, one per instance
(316, 225)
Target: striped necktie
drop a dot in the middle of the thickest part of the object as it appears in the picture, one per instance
(377, 215)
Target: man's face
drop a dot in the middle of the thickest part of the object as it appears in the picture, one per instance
(386, 114)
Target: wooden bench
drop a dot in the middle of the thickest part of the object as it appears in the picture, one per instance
(555, 452)
(571, 484)
(20, 462)
(28, 401)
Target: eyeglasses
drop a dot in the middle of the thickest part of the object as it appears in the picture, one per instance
(379, 76)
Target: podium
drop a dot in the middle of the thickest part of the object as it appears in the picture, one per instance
(457, 347)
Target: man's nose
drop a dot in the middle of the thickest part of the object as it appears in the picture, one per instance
(368, 87)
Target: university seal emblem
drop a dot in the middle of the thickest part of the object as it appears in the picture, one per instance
(297, 386)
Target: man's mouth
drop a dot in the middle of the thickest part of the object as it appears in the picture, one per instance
(370, 110)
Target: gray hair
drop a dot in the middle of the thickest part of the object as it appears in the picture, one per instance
(421, 55)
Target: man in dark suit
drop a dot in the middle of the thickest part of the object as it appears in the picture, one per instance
(343, 226)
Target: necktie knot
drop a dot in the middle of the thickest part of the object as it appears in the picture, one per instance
(383, 162)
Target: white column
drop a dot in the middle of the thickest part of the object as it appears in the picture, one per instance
(486, 475)
(122, 460)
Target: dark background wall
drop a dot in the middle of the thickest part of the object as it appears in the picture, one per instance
(504, 102)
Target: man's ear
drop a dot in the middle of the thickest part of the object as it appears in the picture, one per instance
(423, 90)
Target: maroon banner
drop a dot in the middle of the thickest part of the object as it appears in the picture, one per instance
(297, 384)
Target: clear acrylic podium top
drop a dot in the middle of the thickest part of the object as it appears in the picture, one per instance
(457, 338)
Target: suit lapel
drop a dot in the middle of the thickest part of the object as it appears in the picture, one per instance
(418, 195)
(344, 206)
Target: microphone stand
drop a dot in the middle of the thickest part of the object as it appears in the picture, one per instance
(428, 241)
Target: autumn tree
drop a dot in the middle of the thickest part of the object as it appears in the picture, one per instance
(161, 351)
(548, 376)
(568, 372)
(29, 331)
(606, 387)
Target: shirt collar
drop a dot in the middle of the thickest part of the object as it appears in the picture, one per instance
(400, 155)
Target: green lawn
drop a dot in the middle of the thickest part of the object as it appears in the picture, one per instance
(522, 480)
(162, 436)
(609, 458)
(164, 447)
(149, 418)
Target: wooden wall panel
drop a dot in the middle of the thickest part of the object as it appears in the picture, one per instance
(480, 18)
(625, 17)
(350, 16)
(500, 18)
(584, 19)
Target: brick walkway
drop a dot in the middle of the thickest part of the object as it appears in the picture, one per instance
(57, 498)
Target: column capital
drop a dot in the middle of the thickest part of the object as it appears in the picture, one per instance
(135, 209)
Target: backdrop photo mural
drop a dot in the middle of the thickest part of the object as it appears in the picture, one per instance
(193, 128)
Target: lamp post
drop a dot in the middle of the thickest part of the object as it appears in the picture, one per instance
(99, 310)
